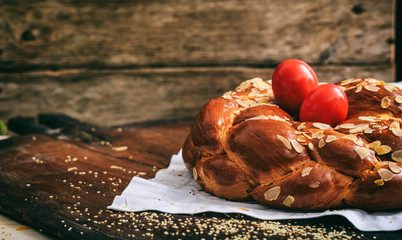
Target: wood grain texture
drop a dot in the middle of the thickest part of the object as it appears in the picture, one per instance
(61, 34)
(64, 186)
(110, 97)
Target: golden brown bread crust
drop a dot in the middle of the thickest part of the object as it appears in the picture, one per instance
(242, 146)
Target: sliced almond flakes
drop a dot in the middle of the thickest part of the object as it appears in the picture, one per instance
(314, 185)
(321, 125)
(382, 149)
(306, 171)
(262, 99)
(306, 136)
(379, 182)
(301, 126)
(394, 124)
(321, 143)
(394, 168)
(296, 145)
(350, 137)
(368, 131)
(285, 142)
(386, 102)
(272, 193)
(362, 152)
(389, 87)
(330, 138)
(318, 135)
(289, 201)
(347, 126)
(254, 92)
(261, 117)
(371, 88)
(350, 80)
(359, 128)
(366, 118)
(195, 174)
(359, 142)
(374, 144)
(385, 174)
(398, 99)
(397, 156)
(227, 95)
(396, 131)
(301, 139)
(246, 103)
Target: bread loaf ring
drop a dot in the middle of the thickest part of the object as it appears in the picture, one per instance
(243, 146)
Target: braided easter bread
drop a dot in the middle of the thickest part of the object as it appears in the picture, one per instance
(242, 146)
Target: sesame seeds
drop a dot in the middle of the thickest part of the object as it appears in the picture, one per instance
(71, 169)
(119, 149)
(161, 225)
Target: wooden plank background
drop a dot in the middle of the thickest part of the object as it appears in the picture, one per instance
(128, 61)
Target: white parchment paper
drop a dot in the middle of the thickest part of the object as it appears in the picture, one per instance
(173, 190)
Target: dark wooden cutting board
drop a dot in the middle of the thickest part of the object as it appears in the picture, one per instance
(60, 174)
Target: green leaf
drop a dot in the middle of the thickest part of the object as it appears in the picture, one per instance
(3, 128)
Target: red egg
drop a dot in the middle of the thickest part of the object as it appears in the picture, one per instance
(325, 104)
(292, 80)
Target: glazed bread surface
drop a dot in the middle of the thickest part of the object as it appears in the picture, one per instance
(243, 146)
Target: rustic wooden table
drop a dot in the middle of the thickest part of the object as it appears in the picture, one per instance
(118, 62)
(61, 181)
